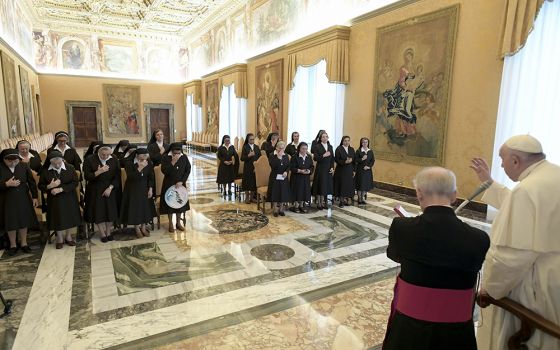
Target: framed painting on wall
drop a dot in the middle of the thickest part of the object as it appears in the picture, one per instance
(269, 98)
(28, 119)
(413, 64)
(122, 111)
(10, 93)
(212, 106)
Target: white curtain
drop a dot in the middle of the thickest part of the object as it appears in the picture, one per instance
(233, 114)
(530, 90)
(315, 104)
(194, 117)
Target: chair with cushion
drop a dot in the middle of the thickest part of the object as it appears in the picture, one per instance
(237, 188)
(262, 173)
(157, 197)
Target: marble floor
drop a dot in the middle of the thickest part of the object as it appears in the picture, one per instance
(235, 279)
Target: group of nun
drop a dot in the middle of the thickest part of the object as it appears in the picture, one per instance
(311, 170)
(105, 201)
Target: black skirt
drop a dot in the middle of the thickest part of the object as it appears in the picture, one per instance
(323, 179)
(227, 173)
(100, 209)
(364, 177)
(249, 182)
(300, 184)
(344, 173)
(137, 208)
(63, 210)
(16, 205)
(278, 190)
(171, 175)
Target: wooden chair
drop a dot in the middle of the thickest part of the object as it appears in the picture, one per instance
(237, 184)
(262, 173)
(41, 216)
(157, 196)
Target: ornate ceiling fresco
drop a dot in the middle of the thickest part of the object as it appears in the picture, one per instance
(166, 20)
(169, 40)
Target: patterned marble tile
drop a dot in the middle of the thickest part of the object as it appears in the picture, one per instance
(235, 279)
(354, 319)
(143, 266)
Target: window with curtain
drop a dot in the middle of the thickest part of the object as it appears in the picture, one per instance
(194, 117)
(233, 114)
(315, 104)
(530, 89)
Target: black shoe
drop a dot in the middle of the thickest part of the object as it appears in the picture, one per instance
(26, 249)
(104, 239)
(12, 251)
(319, 207)
(303, 211)
(293, 209)
(110, 237)
(341, 205)
(281, 213)
(275, 214)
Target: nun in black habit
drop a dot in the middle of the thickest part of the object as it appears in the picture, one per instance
(269, 146)
(249, 155)
(229, 164)
(364, 161)
(157, 147)
(29, 156)
(18, 197)
(291, 149)
(120, 149)
(102, 173)
(344, 173)
(130, 154)
(323, 177)
(92, 149)
(317, 139)
(137, 199)
(176, 169)
(301, 166)
(278, 183)
(70, 154)
(58, 181)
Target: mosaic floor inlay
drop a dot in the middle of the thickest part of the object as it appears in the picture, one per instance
(235, 279)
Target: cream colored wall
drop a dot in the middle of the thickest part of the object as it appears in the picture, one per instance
(33, 81)
(57, 89)
(475, 87)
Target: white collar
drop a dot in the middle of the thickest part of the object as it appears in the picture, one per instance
(527, 171)
(364, 150)
(325, 146)
(345, 148)
(252, 145)
(63, 166)
(129, 152)
(29, 155)
(304, 156)
(121, 149)
(159, 143)
(13, 170)
(66, 147)
(104, 161)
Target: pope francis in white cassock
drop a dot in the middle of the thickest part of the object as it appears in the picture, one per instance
(523, 262)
